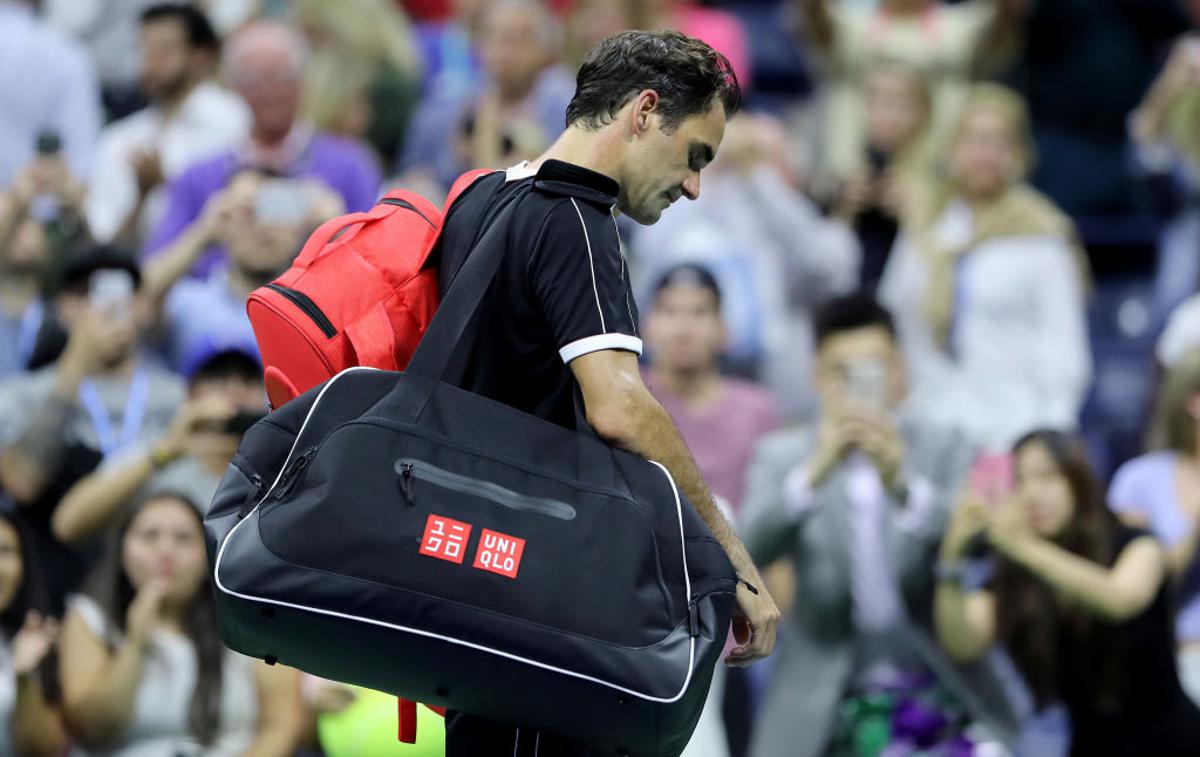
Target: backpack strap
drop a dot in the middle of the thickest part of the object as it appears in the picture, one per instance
(462, 184)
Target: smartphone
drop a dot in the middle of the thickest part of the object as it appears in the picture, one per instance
(240, 423)
(867, 382)
(281, 202)
(111, 292)
(991, 476)
(48, 143)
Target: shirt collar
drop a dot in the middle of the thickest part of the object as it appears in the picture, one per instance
(578, 181)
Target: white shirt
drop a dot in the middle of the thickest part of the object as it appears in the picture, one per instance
(209, 121)
(1021, 358)
(48, 84)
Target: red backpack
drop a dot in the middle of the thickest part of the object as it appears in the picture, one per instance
(359, 293)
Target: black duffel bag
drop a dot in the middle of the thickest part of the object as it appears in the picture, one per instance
(393, 531)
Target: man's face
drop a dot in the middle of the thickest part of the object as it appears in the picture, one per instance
(659, 168)
(861, 366)
(684, 329)
(513, 49)
(270, 85)
(166, 59)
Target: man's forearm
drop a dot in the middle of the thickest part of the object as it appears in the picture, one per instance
(655, 437)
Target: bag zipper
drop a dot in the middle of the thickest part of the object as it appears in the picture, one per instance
(405, 204)
(408, 469)
(288, 480)
(302, 301)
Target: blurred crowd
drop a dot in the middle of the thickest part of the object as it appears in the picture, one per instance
(931, 330)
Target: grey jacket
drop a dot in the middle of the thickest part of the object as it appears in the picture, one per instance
(815, 662)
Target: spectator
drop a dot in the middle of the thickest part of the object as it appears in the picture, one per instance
(1182, 333)
(374, 34)
(23, 264)
(225, 395)
(719, 418)
(1081, 602)
(49, 91)
(1084, 65)
(265, 63)
(515, 115)
(452, 67)
(109, 30)
(28, 723)
(1160, 491)
(857, 501)
(262, 223)
(190, 118)
(987, 283)
(893, 159)
(47, 193)
(1166, 133)
(101, 397)
(143, 669)
(943, 41)
(774, 255)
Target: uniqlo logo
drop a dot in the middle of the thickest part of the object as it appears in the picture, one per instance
(445, 538)
(499, 553)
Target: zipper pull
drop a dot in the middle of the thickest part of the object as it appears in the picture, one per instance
(292, 475)
(252, 497)
(406, 478)
(693, 617)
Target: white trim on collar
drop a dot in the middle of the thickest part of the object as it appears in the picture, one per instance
(522, 170)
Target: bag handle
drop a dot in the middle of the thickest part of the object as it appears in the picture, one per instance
(325, 233)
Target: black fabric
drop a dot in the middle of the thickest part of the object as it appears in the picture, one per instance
(563, 278)
(608, 632)
(1149, 712)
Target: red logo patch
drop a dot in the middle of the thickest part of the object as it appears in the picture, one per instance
(499, 553)
(445, 538)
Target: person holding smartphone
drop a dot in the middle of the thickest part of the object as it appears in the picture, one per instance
(99, 398)
(1081, 602)
(225, 397)
(857, 501)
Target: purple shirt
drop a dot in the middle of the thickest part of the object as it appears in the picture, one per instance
(722, 436)
(344, 165)
(1146, 487)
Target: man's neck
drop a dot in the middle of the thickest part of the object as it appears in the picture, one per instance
(696, 388)
(595, 150)
(170, 106)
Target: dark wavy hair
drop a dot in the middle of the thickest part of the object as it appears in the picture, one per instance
(688, 75)
(31, 593)
(110, 587)
(1030, 620)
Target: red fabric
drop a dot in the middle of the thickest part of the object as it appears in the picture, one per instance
(365, 273)
(407, 721)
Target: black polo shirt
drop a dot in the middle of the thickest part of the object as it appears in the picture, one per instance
(562, 290)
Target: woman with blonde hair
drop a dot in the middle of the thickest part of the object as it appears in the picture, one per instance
(1160, 491)
(373, 43)
(988, 283)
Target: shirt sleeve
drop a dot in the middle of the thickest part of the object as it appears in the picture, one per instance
(580, 279)
(1123, 494)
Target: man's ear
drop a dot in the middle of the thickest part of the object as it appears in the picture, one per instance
(643, 114)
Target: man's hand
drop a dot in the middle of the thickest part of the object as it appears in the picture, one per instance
(755, 620)
(147, 167)
(95, 343)
(875, 434)
(198, 415)
(832, 444)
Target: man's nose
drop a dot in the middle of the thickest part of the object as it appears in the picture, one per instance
(691, 186)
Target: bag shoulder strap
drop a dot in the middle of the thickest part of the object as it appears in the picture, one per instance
(454, 317)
